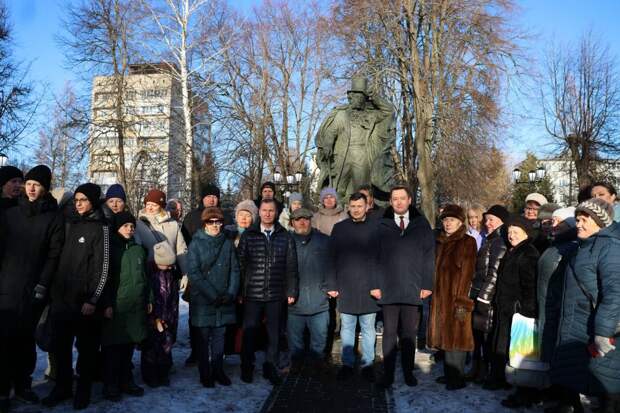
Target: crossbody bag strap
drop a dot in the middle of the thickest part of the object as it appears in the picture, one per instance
(582, 287)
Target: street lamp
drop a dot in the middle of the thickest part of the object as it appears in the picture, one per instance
(289, 184)
(277, 177)
(533, 176)
(3, 159)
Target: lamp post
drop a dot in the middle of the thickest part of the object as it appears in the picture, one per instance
(4, 160)
(291, 183)
(534, 176)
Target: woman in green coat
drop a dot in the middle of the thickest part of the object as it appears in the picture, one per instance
(125, 323)
(214, 276)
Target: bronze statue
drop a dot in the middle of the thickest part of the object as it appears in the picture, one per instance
(354, 143)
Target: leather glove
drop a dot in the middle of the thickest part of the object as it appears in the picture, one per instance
(604, 345)
(40, 292)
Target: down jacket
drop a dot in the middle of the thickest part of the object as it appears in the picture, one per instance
(152, 229)
(268, 266)
(31, 239)
(596, 265)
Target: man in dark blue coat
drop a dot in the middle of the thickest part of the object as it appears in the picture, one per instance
(351, 279)
(405, 247)
(311, 308)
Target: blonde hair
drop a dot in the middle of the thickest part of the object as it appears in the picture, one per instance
(479, 210)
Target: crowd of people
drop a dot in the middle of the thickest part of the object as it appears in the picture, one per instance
(80, 269)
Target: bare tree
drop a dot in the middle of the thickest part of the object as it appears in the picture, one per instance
(581, 104)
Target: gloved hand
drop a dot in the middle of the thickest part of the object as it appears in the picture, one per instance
(40, 292)
(604, 345)
(482, 308)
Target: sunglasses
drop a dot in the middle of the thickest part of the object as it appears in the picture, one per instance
(215, 222)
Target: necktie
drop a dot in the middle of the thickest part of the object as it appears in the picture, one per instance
(402, 223)
(268, 233)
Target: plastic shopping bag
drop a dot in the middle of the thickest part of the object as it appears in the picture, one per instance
(524, 349)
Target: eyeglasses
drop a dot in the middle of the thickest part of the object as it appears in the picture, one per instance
(80, 200)
(214, 222)
(531, 209)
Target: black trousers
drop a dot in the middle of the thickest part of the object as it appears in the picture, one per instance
(86, 331)
(18, 357)
(210, 350)
(409, 317)
(117, 365)
(454, 365)
(252, 318)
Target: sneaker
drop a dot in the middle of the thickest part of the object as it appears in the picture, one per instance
(27, 396)
(368, 373)
(379, 328)
(56, 397)
(345, 373)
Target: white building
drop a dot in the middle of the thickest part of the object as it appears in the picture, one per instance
(153, 129)
(563, 176)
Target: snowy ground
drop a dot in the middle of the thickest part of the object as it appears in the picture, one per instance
(187, 394)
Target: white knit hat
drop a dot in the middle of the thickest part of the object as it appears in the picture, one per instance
(566, 215)
(164, 255)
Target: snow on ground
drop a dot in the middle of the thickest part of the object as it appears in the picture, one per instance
(431, 397)
(184, 394)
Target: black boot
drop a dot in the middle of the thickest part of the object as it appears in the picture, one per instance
(130, 388)
(163, 375)
(271, 374)
(217, 368)
(247, 374)
(112, 393)
(82, 395)
(149, 375)
(56, 396)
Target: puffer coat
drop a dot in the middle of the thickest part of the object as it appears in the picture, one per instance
(268, 266)
(152, 229)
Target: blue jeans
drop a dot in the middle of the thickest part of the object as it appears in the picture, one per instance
(317, 325)
(348, 322)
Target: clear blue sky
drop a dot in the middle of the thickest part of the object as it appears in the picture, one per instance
(36, 22)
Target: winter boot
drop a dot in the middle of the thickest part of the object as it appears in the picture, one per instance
(82, 395)
(271, 374)
(112, 393)
(247, 374)
(149, 375)
(217, 369)
(130, 388)
(163, 375)
(56, 396)
(410, 379)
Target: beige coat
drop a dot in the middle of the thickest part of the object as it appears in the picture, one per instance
(167, 229)
(325, 219)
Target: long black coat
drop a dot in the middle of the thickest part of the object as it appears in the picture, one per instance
(268, 267)
(84, 266)
(353, 273)
(193, 222)
(516, 290)
(405, 260)
(32, 235)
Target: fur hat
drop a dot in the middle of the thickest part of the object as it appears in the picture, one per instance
(600, 211)
(211, 213)
(268, 184)
(42, 174)
(521, 222)
(210, 189)
(546, 211)
(454, 211)
(122, 218)
(328, 191)
(90, 191)
(498, 211)
(9, 172)
(116, 191)
(164, 254)
(249, 206)
(156, 196)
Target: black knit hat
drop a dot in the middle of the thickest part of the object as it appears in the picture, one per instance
(90, 191)
(521, 222)
(9, 172)
(268, 184)
(210, 189)
(498, 211)
(122, 218)
(41, 174)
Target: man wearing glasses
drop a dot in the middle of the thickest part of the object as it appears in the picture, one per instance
(268, 263)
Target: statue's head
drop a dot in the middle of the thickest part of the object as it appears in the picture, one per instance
(358, 93)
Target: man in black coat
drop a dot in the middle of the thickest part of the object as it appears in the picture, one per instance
(405, 247)
(268, 191)
(268, 262)
(11, 182)
(351, 279)
(31, 241)
(78, 297)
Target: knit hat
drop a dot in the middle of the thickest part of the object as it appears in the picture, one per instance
(268, 185)
(211, 213)
(301, 213)
(546, 211)
(328, 191)
(564, 213)
(600, 211)
(156, 196)
(9, 172)
(210, 189)
(41, 174)
(521, 222)
(295, 197)
(163, 254)
(116, 191)
(498, 211)
(249, 206)
(122, 218)
(536, 197)
(454, 211)
(90, 191)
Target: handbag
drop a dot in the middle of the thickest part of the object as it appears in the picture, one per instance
(43, 330)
